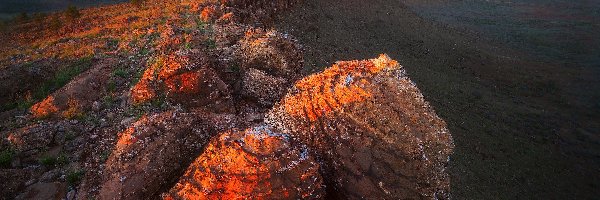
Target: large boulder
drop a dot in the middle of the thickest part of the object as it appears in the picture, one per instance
(257, 163)
(150, 155)
(375, 134)
(188, 80)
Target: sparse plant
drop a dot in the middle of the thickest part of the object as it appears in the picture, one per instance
(48, 161)
(6, 158)
(74, 177)
(120, 72)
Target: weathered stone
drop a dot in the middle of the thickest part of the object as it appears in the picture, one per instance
(376, 135)
(150, 155)
(265, 88)
(255, 163)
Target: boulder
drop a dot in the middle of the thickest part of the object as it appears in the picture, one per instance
(371, 128)
(250, 164)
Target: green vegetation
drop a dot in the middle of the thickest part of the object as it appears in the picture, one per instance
(120, 72)
(48, 161)
(52, 161)
(6, 157)
(74, 177)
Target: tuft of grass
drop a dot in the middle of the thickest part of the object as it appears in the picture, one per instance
(48, 161)
(62, 159)
(111, 87)
(120, 72)
(74, 177)
(6, 158)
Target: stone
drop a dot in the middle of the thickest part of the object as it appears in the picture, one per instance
(376, 134)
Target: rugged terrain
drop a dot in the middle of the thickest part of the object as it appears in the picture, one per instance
(205, 99)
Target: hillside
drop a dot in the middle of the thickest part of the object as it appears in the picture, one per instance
(184, 99)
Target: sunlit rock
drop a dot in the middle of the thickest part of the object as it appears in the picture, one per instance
(150, 155)
(377, 136)
(185, 80)
(257, 163)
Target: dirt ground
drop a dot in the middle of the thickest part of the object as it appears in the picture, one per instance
(523, 129)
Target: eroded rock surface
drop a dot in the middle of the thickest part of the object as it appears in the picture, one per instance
(375, 134)
(150, 155)
(257, 163)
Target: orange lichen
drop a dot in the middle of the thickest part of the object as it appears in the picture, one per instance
(44, 108)
(242, 165)
(207, 13)
(142, 92)
(73, 110)
(126, 137)
(184, 83)
(339, 85)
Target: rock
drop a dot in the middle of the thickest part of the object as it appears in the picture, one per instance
(71, 194)
(78, 95)
(154, 151)
(187, 80)
(96, 106)
(55, 190)
(376, 134)
(272, 52)
(254, 163)
(32, 137)
(50, 176)
(14, 180)
(265, 88)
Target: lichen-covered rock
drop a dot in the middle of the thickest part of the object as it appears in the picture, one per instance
(256, 163)
(375, 134)
(186, 80)
(150, 155)
(265, 88)
(272, 52)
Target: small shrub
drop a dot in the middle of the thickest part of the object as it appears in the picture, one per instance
(48, 161)
(120, 72)
(6, 157)
(74, 177)
(72, 12)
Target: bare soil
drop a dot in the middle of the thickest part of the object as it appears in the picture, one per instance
(523, 129)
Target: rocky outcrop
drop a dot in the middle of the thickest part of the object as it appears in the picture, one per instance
(150, 155)
(252, 164)
(370, 126)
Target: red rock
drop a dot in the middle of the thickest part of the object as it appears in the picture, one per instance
(257, 163)
(377, 135)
